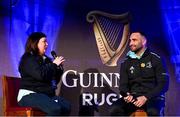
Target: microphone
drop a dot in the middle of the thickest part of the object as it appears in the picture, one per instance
(53, 53)
(53, 81)
(124, 94)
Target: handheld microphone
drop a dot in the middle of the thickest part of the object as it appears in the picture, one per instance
(53, 82)
(124, 94)
(53, 53)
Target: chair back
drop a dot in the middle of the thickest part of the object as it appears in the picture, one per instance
(10, 87)
(10, 91)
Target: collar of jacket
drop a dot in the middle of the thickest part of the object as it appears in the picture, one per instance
(38, 57)
(132, 55)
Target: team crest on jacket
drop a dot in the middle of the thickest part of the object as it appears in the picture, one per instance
(148, 64)
(143, 65)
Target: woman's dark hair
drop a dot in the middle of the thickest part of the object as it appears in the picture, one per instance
(32, 42)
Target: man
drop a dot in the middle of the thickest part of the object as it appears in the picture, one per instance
(143, 80)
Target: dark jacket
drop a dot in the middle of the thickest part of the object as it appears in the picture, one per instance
(37, 74)
(145, 76)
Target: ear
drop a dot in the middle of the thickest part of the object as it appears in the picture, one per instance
(144, 41)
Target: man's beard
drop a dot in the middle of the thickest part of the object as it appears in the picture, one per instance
(137, 50)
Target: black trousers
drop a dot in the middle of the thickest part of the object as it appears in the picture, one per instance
(153, 107)
(53, 106)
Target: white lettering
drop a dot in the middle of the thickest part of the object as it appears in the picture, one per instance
(65, 81)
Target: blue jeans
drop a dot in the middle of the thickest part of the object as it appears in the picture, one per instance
(51, 105)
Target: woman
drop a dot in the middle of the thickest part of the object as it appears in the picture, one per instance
(39, 78)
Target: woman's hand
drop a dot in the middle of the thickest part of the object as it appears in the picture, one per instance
(59, 60)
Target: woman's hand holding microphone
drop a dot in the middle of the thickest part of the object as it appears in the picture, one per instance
(59, 60)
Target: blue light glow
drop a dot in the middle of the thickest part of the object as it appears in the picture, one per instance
(171, 18)
(29, 16)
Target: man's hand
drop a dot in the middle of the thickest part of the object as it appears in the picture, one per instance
(129, 98)
(141, 100)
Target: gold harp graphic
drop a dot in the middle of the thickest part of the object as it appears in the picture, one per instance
(111, 33)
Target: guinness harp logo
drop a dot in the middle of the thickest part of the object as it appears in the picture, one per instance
(111, 33)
